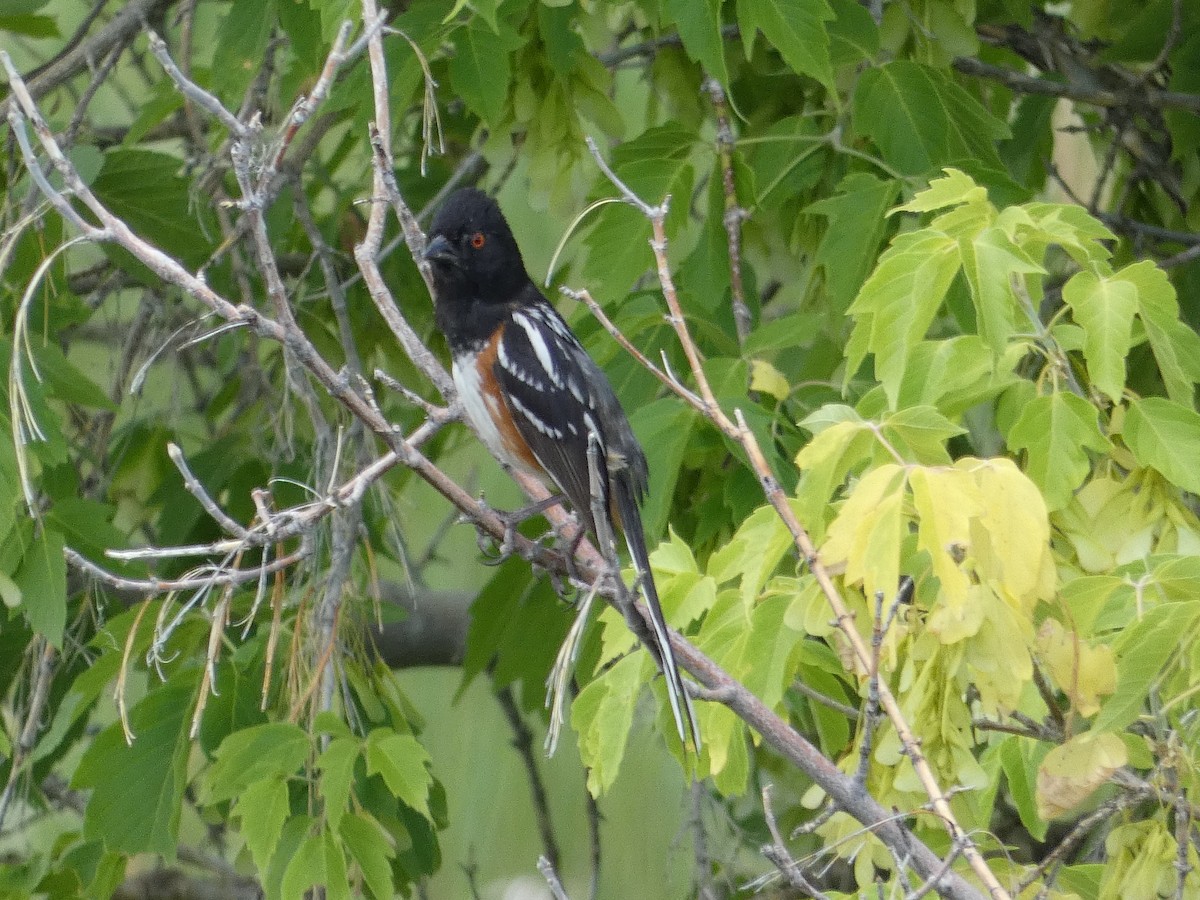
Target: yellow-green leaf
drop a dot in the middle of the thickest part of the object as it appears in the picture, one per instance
(1085, 673)
(602, 716)
(865, 537)
(766, 378)
(952, 189)
(1011, 539)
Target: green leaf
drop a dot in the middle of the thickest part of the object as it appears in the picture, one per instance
(898, 302)
(87, 523)
(1163, 435)
(78, 702)
(955, 374)
(337, 882)
(853, 35)
(664, 427)
(753, 553)
(1142, 650)
(295, 830)
(42, 581)
(137, 790)
(275, 749)
(1104, 307)
(1057, 430)
(241, 41)
(1020, 768)
(699, 24)
(770, 650)
(337, 772)
(481, 68)
(921, 120)
(856, 224)
(30, 26)
(404, 765)
(163, 100)
(796, 28)
(263, 807)
(371, 850)
(563, 45)
(305, 868)
(143, 189)
(654, 164)
(1176, 347)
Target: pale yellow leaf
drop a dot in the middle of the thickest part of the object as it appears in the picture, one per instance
(945, 500)
(1070, 773)
(767, 379)
(1085, 673)
(1011, 538)
(955, 620)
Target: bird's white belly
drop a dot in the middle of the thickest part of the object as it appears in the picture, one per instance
(476, 403)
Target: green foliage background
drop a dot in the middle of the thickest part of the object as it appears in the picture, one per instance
(972, 361)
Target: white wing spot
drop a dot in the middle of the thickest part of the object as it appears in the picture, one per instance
(549, 430)
(540, 348)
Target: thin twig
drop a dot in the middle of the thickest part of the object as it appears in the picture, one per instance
(813, 694)
(931, 883)
(193, 91)
(45, 658)
(734, 214)
(522, 741)
(1073, 90)
(547, 869)
(119, 31)
(196, 489)
(1078, 833)
(778, 854)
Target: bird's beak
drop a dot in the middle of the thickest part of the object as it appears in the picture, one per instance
(439, 249)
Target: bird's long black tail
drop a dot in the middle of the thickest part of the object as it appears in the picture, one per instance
(631, 521)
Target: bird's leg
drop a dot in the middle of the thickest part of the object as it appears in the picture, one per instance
(511, 520)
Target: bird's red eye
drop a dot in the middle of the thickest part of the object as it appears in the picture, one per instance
(478, 240)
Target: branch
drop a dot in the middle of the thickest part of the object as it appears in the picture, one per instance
(1083, 93)
(119, 31)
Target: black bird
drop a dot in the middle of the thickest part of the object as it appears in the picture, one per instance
(534, 395)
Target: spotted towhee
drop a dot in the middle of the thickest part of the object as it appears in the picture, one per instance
(535, 396)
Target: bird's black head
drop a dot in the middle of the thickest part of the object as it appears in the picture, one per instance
(473, 253)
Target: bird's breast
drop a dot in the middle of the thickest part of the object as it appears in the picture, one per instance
(487, 410)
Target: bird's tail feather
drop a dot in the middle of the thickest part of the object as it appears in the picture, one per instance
(677, 695)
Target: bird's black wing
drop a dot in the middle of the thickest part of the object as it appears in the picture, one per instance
(558, 396)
